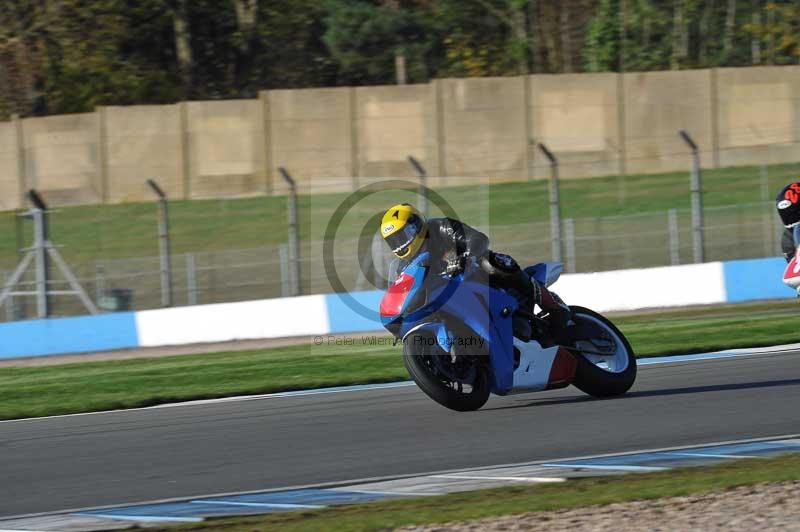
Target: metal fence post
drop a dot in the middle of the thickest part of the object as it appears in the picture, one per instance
(569, 236)
(294, 234)
(42, 262)
(164, 245)
(423, 184)
(674, 237)
(286, 276)
(11, 307)
(698, 245)
(191, 280)
(40, 254)
(99, 281)
(41, 235)
(555, 204)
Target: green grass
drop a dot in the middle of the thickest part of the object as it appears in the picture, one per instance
(92, 386)
(520, 499)
(129, 230)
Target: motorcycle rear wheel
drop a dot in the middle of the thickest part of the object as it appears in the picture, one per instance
(619, 373)
(417, 357)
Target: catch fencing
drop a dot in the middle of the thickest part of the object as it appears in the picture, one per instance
(590, 244)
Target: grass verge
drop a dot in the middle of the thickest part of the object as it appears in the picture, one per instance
(129, 230)
(520, 499)
(93, 386)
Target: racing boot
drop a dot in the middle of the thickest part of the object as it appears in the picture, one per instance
(559, 314)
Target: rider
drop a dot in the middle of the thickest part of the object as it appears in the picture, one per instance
(788, 204)
(450, 242)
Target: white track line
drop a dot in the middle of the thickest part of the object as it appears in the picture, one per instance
(276, 505)
(379, 492)
(146, 518)
(706, 455)
(486, 477)
(605, 467)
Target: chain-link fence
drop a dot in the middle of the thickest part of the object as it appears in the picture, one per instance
(361, 263)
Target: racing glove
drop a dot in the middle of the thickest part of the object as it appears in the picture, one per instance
(455, 265)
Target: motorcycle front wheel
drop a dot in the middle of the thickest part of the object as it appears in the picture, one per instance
(460, 384)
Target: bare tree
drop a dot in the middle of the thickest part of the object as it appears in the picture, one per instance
(680, 35)
(183, 47)
(705, 24)
(755, 40)
(246, 22)
(246, 19)
(730, 27)
(400, 69)
(566, 37)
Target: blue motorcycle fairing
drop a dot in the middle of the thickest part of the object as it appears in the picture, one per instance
(459, 297)
(438, 329)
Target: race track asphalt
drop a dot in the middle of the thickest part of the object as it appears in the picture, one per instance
(143, 455)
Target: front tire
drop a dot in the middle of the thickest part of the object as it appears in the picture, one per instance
(602, 376)
(418, 353)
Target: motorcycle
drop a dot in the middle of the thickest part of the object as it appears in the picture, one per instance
(459, 344)
(791, 275)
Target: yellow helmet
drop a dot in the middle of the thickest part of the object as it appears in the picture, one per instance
(403, 227)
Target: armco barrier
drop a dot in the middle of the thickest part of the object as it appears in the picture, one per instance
(695, 284)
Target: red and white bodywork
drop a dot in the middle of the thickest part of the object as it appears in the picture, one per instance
(542, 368)
(791, 275)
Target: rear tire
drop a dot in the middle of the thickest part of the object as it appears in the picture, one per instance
(595, 380)
(422, 369)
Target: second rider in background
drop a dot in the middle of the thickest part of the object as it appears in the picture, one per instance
(788, 204)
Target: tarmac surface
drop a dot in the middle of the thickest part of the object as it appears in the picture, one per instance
(70, 462)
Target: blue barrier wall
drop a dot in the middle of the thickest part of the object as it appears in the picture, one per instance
(354, 311)
(68, 335)
(744, 280)
(748, 280)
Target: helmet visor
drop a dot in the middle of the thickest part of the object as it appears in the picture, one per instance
(401, 239)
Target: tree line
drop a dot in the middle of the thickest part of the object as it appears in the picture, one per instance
(64, 56)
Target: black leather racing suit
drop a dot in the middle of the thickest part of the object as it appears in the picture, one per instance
(790, 240)
(450, 241)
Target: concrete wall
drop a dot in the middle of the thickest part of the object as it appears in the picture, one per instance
(484, 128)
(226, 148)
(143, 142)
(474, 130)
(311, 134)
(61, 157)
(391, 124)
(658, 105)
(577, 116)
(757, 113)
(10, 181)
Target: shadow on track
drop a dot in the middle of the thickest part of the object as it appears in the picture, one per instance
(658, 393)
